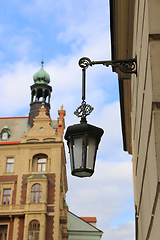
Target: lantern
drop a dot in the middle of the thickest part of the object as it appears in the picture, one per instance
(83, 140)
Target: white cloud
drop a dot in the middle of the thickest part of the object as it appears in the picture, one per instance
(104, 195)
(83, 30)
(14, 91)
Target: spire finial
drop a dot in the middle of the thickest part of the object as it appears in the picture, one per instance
(42, 62)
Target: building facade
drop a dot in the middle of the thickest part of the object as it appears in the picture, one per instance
(135, 31)
(33, 181)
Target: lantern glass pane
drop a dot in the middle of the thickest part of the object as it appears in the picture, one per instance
(71, 154)
(77, 151)
(91, 148)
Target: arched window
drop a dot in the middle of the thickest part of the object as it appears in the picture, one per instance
(5, 133)
(33, 231)
(36, 193)
(39, 161)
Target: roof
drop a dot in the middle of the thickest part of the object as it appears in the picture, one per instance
(121, 27)
(41, 76)
(89, 219)
(37, 176)
(18, 126)
(77, 224)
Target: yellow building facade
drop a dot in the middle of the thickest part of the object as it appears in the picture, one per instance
(135, 31)
(33, 181)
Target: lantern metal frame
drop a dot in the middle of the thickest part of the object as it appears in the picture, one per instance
(84, 131)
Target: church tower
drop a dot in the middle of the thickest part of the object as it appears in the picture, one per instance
(40, 93)
(33, 181)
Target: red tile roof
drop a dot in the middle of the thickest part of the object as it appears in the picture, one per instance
(16, 142)
(89, 219)
(12, 117)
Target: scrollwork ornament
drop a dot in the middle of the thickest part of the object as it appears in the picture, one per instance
(83, 110)
(129, 67)
(125, 65)
(85, 62)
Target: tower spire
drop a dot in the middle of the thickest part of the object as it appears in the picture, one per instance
(40, 93)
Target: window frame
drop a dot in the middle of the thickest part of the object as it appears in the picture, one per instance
(4, 136)
(6, 185)
(5, 130)
(6, 224)
(35, 230)
(41, 164)
(38, 166)
(7, 196)
(34, 193)
(43, 182)
(10, 165)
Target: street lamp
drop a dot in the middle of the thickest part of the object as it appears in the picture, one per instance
(83, 139)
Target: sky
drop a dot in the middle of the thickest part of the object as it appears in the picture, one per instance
(60, 33)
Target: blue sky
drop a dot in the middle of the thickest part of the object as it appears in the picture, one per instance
(62, 32)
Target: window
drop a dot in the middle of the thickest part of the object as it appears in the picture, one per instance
(4, 136)
(41, 164)
(36, 193)
(9, 166)
(3, 232)
(6, 197)
(33, 232)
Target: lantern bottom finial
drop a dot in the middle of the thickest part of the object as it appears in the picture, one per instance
(81, 172)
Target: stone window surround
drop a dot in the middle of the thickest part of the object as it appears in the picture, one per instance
(9, 164)
(8, 225)
(6, 196)
(36, 230)
(43, 182)
(6, 185)
(5, 130)
(41, 218)
(37, 152)
(34, 192)
(4, 167)
(36, 156)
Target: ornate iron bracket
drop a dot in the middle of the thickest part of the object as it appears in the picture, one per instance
(126, 65)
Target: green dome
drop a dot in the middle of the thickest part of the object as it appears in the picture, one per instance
(6, 127)
(41, 76)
